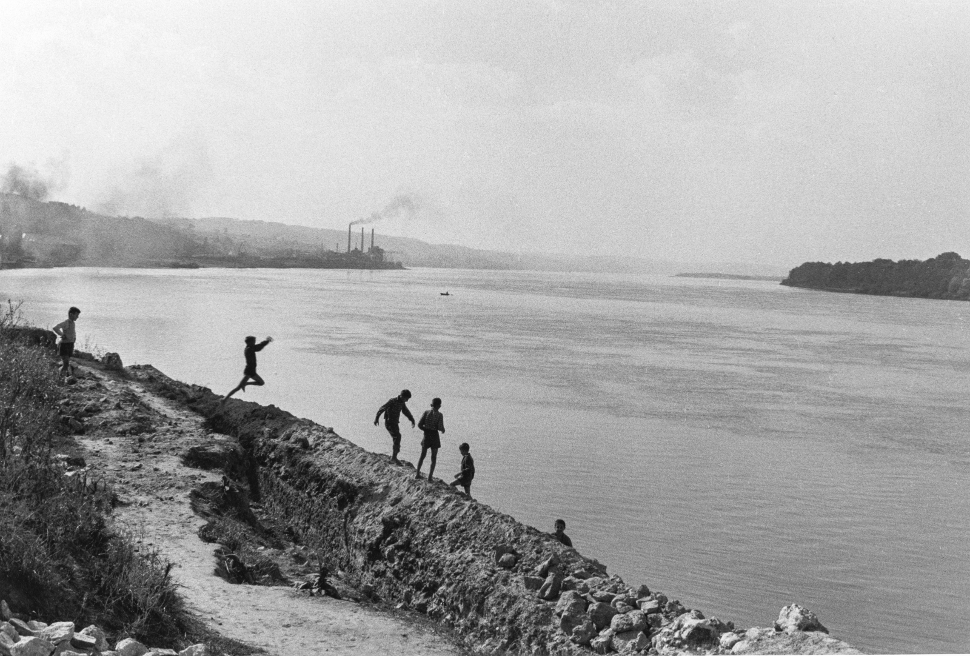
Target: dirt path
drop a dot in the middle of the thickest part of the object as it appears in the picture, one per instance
(135, 439)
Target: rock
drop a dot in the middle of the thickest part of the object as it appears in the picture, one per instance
(5, 613)
(195, 650)
(21, 627)
(162, 652)
(795, 618)
(630, 602)
(769, 641)
(95, 632)
(604, 596)
(601, 614)
(582, 573)
(649, 606)
(57, 632)
(575, 583)
(6, 642)
(675, 608)
(532, 582)
(571, 602)
(728, 640)
(632, 621)
(84, 642)
(131, 647)
(7, 629)
(642, 591)
(36, 626)
(112, 362)
(507, 561)
(602, 644)
(695, 632)
(584, 632)
(630, 641)
(31, 646)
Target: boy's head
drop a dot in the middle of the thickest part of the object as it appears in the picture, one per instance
(436, 403)
(560, 526)
(250, 340)
(405, 394)
(73, 313)
(463, 447)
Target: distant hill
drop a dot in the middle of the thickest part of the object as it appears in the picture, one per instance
(57, 234)
(946, 276)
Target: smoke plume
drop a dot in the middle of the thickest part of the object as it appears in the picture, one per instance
(25, 182)
(404, 206)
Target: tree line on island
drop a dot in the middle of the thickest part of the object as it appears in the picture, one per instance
(946, 276)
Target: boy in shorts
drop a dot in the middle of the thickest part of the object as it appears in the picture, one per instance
(467, 473)
(250, 377)
(431, 422)
(68, 335)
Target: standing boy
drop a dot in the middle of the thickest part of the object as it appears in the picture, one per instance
(250, 377)
(392, 418)
(66, 332)
(431, 422)
(467, 473)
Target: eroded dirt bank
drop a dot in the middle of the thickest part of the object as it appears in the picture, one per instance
(137, 441)
(417, 545)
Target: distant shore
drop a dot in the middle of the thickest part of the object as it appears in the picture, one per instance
(727, 276)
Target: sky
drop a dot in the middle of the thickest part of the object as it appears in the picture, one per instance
(776, 132)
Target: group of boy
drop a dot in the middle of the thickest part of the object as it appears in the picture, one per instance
(432, 424)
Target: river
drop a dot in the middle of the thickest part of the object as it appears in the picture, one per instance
(737, 445)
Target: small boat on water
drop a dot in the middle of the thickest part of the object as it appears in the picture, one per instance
(446, 293)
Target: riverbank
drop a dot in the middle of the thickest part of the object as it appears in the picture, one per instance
(298, 495)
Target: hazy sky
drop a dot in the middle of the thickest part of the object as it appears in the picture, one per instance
(773, 131)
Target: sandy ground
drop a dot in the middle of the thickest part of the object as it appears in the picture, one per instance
(134, 439)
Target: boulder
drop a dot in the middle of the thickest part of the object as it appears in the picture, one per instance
(571, 602)
(95, 632)
(630, 641)
(195, 650)
(695, 632)
(642, 591)
(602, 644)
(36, 625)
(795, 618)
(21, 627)
(130, 647)
(507, 561)
(583, 632)
(601, 614)
(57, 632)
(728, 640)
(5, 613)
(649, 606)
(604, 596)
(162, 652)
(532, 582)
(7, 629)
(631, 621)
(575, 583)
(112, 362)
(6, 642)
(31, 646)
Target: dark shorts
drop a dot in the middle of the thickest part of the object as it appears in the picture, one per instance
(395, 432)
(431, 440)
(66, 349)
(250, 371)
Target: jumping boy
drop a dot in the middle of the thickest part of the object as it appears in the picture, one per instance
(467, 473)
(392, 418)
(66, 332)
(431, 422)
(250, 377)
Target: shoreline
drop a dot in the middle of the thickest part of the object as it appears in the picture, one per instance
(426, 548)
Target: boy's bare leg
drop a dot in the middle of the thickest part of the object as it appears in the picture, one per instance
(424, 452)
(241, 386)
(434, 461)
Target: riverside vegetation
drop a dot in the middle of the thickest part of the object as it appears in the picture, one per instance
(946, 276)
(296, 496)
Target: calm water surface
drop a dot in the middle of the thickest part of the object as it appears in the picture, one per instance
(737, 445)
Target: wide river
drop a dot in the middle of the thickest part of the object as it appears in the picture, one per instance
(738, 445)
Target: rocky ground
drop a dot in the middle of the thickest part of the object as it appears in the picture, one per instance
(137, 442)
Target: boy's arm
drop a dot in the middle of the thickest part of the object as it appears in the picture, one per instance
(380, 411)
(262, 345)
(407, 413)
(59, 329)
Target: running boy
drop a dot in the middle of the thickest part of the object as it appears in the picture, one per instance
(467, 473)
(250, 377)
(431, 422)
(66, 332)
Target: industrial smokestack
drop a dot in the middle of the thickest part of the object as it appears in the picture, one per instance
(372, 239)
(361, 240)
(348, 236)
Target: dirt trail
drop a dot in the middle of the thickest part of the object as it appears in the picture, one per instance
(134, 439)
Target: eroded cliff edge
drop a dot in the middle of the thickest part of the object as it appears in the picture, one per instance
(467, 566)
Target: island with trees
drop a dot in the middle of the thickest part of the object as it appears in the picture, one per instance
(946, 276)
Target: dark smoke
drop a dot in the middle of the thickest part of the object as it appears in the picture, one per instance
(405, 206)
(24, 182)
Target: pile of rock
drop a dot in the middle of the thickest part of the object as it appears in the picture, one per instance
(33, 638)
